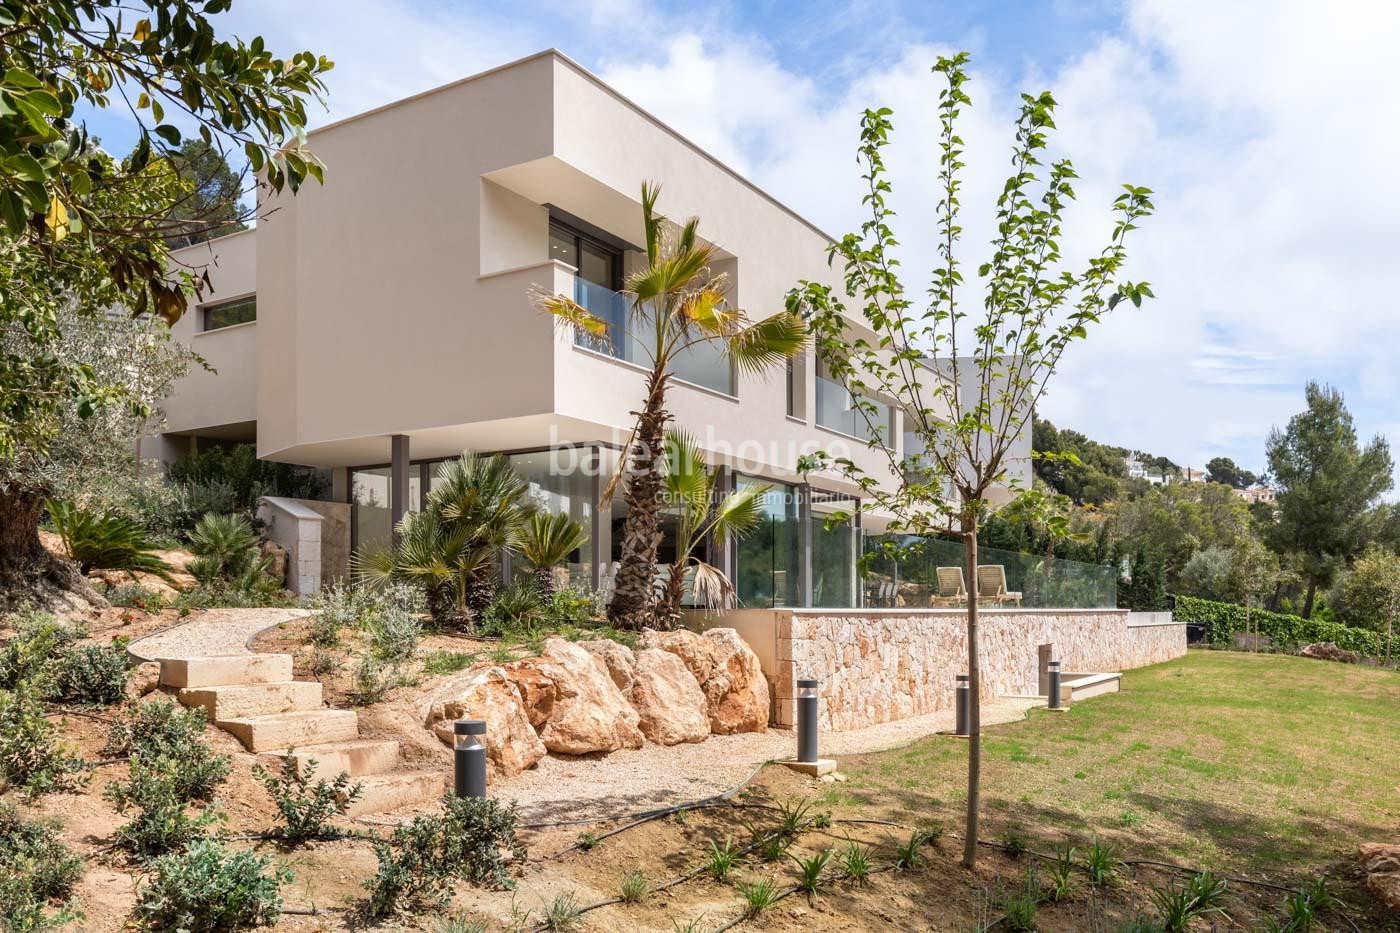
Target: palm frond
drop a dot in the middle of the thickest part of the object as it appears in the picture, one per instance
(706, 309)
(688, 479)
(572, 315)
(768, 342)
(711, 588)
(548, 540)
(652, 222)
(741, 511)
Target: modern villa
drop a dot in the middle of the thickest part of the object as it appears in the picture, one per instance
(384, 322)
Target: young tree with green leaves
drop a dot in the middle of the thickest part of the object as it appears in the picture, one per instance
(80, 229)
(1327, 483)
(676, 303)
(966, 386)
(1372, 593)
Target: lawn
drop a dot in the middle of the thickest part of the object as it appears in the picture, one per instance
(1263, 765)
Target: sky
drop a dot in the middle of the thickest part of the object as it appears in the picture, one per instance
(1263, 127)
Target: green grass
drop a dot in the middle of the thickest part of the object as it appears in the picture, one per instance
(1249, 763)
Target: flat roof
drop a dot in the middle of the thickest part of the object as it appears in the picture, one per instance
(622, 98)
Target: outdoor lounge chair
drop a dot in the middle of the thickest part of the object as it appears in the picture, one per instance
(991, 584)
(952, 591)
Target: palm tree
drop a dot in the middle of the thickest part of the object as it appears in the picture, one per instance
(547, 542)
(675, 303)
(690, 491)
(477, 511)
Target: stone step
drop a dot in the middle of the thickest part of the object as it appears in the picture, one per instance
(1088, 685)
(226, 670)
(244, 700)
(360, 757)
(283, 730)
(398, 789)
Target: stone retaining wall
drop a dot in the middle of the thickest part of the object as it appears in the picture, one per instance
(886, 664)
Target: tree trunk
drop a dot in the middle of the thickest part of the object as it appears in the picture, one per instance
(1308, 602)
(634, 590)
(974, 686)
(668, 614)
(28, 573)
(544, 582)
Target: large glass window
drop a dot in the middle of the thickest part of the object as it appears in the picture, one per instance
(371, 505)
(837, 410)
(561, 483)
(770, 557)
(229, 313)
(834, 549)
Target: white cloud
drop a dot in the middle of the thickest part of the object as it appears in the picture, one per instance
(1262, 128)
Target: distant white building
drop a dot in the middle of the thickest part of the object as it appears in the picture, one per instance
(1257, 493)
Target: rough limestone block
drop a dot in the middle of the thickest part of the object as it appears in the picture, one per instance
(244, 700)
(404, 788)
(358, 757)
(226, 670)
(265, 733)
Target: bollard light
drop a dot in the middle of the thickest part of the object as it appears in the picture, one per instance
(469, 758)
(807, 721)
(963, 695)
(1053, 673)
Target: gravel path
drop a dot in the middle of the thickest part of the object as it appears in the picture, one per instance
(212, 633)
(567, 789)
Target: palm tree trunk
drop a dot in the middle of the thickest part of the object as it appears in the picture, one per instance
(634, 597)
(974, 686)
(544, 581)
(668, 614)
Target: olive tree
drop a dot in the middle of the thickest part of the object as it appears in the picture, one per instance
(82, 230)
(966, 384)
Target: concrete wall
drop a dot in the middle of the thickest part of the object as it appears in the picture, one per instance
(883, 665)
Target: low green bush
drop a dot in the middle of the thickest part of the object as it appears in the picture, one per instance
(155, 727)
(136, 596)
(31, 758)
(228, 552)
(209, 888)
(90, 675)
(39, 639)
(1223, 620)
(105, 542)
(472, 839)
(307, 808)
(161, 786)
(37, 874)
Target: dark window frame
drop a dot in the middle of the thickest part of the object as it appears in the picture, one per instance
(566, 230)
(207, 309)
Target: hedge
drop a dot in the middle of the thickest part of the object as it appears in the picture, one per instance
(1223, 620)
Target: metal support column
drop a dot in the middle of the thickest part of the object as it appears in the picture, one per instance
(398, 480)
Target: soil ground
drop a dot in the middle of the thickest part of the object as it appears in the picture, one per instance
(1261, 767)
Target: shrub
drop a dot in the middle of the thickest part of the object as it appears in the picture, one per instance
(562, 913)
(91, 675)
(517, 610)
(26, 658)
(470, 840)
(393, 632)
(158, 726)
(226, 550)
(810, 871)
(136, 596)
(371, 681)
(210, 888)
(104, 542)
(634, 887)
(1102, 862)
(36, 871)
(307, 808)
(721, 860)
(856, 862)
(161, 786)
(30, 758)
(237, 478)
(758, 896)
(1223, 620)
(574, 605)
(1179, 904)
(337, 607)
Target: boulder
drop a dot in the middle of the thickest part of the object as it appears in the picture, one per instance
(668, 699)
(144, 679)
(1382, 863)
(736, 689)
(536, 688)
(1326, 651)
(488, 693)
(691, 648)
(618, 658)
(588, 712)
(278, 555)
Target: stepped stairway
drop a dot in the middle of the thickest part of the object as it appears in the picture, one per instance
(254, 698)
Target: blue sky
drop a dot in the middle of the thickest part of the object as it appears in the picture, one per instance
(1261, 126)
